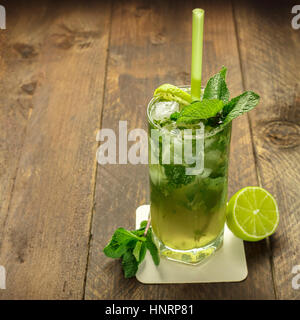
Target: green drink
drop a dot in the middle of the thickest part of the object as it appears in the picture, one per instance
(187, 210)
(189, 143)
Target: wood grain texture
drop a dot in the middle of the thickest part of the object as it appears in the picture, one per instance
(18, 77)
(151, 44)
(270, 54)
(46, 235)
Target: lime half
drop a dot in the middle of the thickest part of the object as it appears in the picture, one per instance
(252, 214)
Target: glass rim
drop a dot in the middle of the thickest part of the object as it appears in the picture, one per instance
(206, 135)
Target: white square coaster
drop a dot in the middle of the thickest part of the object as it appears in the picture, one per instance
(228, 264)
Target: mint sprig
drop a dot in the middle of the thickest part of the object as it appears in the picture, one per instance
(215, 104)
(131, 247)
(150, 245)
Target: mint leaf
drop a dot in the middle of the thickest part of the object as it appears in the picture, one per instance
(223, 72)
(129, 264)
(152, 248)
(200, 110)
(119, 242)
(240, 105)
(143, 252)
(137, 250)
(216, 87)
(123, 235)
(143, 224)
(115, 249)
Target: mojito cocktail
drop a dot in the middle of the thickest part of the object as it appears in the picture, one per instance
(187, 208)
(189, 143)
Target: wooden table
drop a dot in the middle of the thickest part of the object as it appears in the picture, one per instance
(68, 69)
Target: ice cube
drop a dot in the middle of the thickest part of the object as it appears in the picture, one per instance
(157, 175)
(163, 109)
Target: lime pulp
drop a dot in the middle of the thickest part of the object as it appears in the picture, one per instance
(252, 214)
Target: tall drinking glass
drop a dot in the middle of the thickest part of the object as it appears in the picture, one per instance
(188, 210)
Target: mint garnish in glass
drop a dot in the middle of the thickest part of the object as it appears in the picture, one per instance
(214, 103)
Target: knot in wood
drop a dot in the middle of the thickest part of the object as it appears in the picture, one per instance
(282, 134)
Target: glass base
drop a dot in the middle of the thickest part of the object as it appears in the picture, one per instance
(193, 256)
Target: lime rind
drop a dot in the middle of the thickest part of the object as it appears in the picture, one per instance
(170, 97)
(256, 221)
(173, 93)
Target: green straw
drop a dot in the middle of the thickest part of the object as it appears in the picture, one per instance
(197, 45)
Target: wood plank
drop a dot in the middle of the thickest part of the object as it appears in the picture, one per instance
(18, 77)
(151, 44)
(46, 235)
(270, 53)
